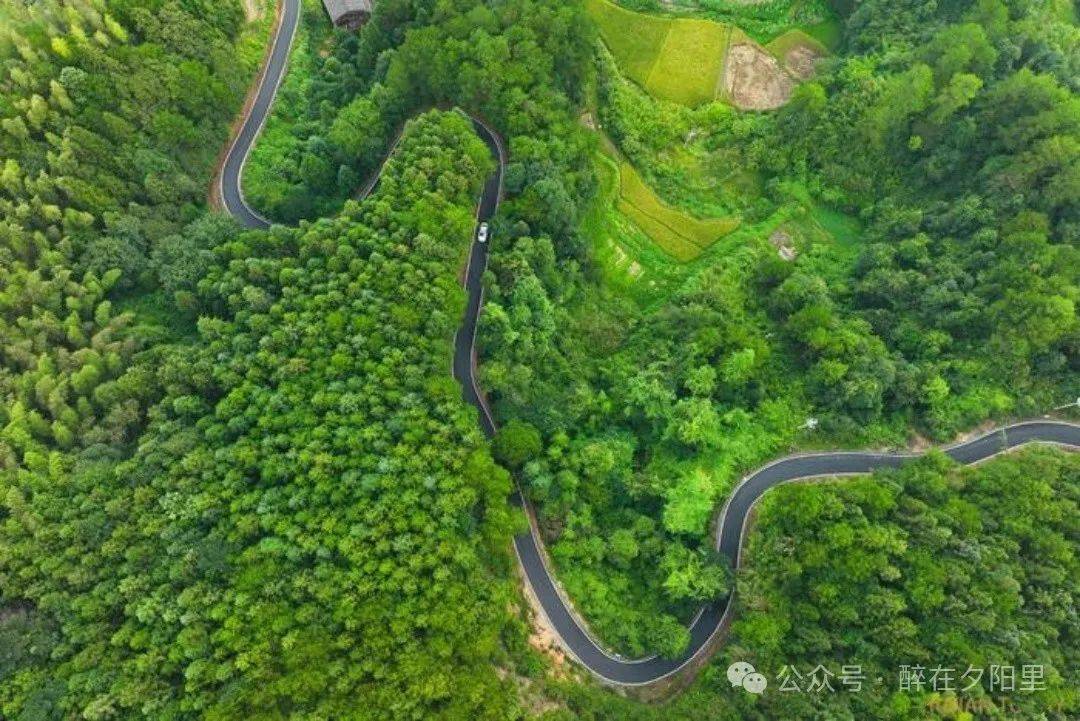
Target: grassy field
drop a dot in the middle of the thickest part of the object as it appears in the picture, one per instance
(783, 44)
(690, 62)
(827, 239)
(846, 230)
(643, 247)
(681, 60)
(635, 39)
(828, 32)
(629, 260)
(629, 208)
(675, 59)
(681, 235)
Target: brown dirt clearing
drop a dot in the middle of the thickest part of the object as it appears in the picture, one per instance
(754, 79)
(801, 61)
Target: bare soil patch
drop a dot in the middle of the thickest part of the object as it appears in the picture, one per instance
(754, 79)
(781, 240)
(542, 636)
(801, 60)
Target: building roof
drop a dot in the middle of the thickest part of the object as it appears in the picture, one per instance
(341, 8)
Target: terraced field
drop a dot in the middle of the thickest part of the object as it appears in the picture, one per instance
(689, 61)
(682, 236)
(675, 59)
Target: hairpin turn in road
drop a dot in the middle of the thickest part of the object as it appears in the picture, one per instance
(731, 526)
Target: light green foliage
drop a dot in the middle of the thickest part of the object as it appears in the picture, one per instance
(678, 60)
(696, 423)
(292, 172)
(343, 552)
(691, 576)
(98, 168)
(689, 502)
(679, 234)
(702, 381)
(623, 547)
(689, 64)
(516, 443)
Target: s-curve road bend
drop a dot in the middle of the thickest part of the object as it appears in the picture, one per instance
(731, 531)
(732, 521)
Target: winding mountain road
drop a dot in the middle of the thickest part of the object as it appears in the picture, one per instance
(731, 525)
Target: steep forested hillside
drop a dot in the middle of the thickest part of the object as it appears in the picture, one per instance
(310, 517)
(111, 118)
(950, 570)
(256, 493)
(925, 181)
(238, 482)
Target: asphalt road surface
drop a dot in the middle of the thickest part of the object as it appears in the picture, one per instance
(731, 526)
(230, 189)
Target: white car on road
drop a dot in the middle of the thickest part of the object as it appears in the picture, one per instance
(482, 234)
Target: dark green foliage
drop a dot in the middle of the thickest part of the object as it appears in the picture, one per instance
(516, 443)
(647, 424)
(164, 553)
(180, 261)
(512, 64)
(970, 269)
(951, 301)
(933, 565)
(291, 513)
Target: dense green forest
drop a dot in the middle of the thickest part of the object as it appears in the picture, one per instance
(164, 551)
(521, 66)
(927, 177)
(353, 544)
(237, 481)
(291, 158)
(936, 566)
